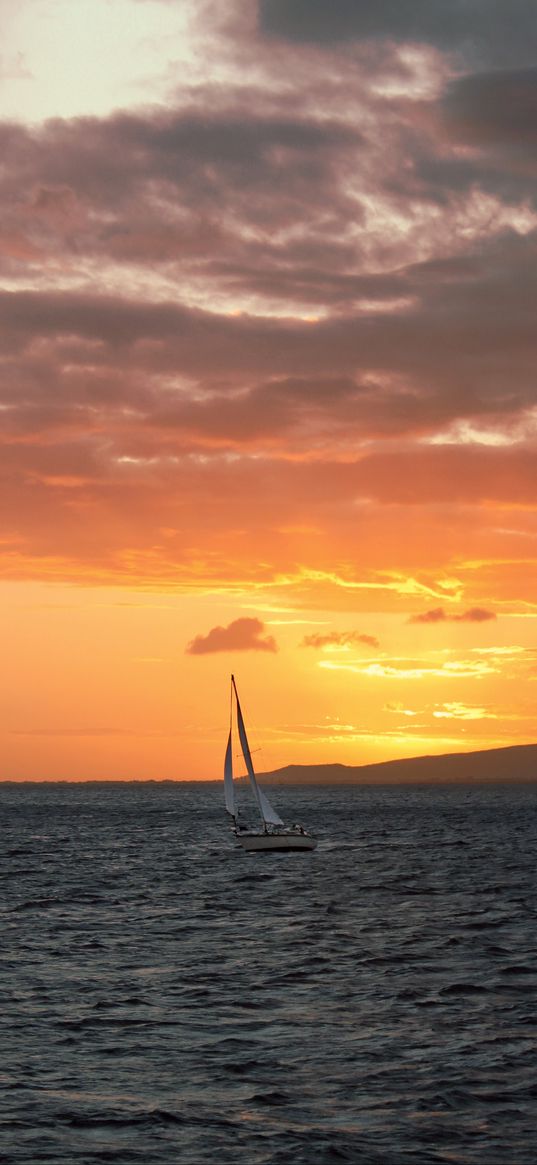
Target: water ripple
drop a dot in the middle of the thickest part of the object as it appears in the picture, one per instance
(166, 998)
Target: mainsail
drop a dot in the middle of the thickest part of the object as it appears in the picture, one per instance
(229, 792)
(268, 814)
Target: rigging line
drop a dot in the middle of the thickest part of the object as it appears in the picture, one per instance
(239, 711)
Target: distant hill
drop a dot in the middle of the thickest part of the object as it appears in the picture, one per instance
(517, 763)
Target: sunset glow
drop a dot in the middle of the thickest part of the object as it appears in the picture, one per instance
(267, 403)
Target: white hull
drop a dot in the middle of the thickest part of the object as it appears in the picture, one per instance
(255, 842)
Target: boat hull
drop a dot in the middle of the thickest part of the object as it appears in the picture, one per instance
(269, 842)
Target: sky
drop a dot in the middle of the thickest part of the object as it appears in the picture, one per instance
(268, 381)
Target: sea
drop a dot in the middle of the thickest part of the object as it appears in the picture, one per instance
(166, 997)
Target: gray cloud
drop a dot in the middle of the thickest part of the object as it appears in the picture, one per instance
(438, 615)
(215, 171)
(250, 198)
(493, 109)
(495, 29)
(463, 349)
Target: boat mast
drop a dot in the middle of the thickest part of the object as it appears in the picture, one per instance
(246, 752)
(229, 789)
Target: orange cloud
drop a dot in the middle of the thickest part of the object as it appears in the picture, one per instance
(438, 615)
(241, 635)
(455, 710)
(401, 669)
(338, 639)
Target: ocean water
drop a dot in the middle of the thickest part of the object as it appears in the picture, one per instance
(167, 998)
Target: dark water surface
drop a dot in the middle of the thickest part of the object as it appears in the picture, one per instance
(167, 998)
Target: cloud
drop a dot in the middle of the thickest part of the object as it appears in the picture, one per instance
(85, 358)
(438, 615)
(171, 189)
(492, 28)
(241, 635)
(400, 709)
(475, 615)
(497, 108)
(299, 298)
(338, 639)
(386, 669)
(457, 711)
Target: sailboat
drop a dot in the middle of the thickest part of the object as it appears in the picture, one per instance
(272, 834)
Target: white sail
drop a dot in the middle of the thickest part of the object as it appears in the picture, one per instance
(268, 814)
(292, 837)
(229, 792)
